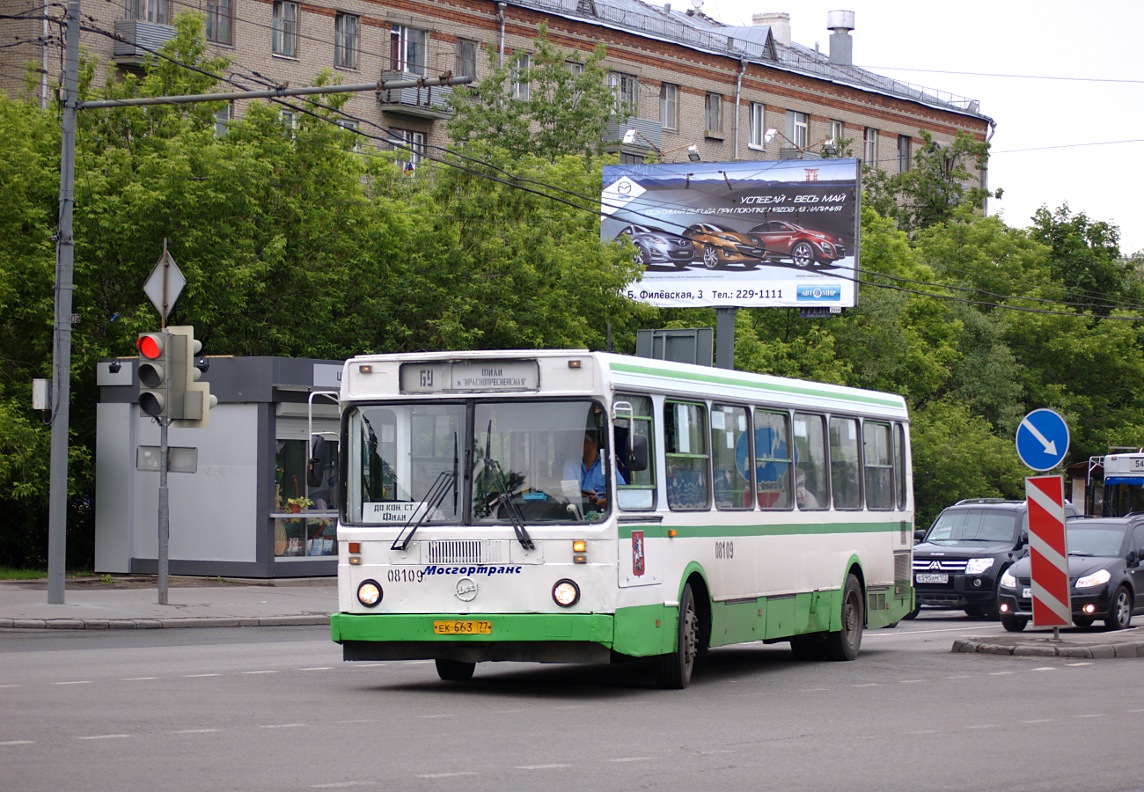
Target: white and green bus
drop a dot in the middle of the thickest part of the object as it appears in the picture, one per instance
(575, 506)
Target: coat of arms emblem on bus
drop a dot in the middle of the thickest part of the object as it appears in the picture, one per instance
(637, 553)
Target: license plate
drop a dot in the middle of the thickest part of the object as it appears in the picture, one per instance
(931, 577)
(463, 627)
(1026, 593)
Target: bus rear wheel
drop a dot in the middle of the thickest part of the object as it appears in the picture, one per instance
(673, 670)
(454, 670)
(844, 644)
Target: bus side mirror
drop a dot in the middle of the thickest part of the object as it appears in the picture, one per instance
(638, 460)
(314, 463)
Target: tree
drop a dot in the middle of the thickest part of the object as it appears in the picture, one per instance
(1085, 258)
(564, 112)
(940, 181)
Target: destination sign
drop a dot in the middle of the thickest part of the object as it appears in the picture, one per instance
(483, 377)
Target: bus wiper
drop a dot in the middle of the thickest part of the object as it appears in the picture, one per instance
(504, 498)
(432, 500)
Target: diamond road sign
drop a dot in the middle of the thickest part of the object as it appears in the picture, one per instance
(165, 284)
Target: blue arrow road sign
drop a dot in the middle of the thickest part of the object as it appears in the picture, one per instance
(1042, 439)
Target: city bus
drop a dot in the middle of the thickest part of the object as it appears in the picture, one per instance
(585, 507)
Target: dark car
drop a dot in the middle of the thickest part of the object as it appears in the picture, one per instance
(964, 553)
(654, 246)
(803, 246)
(719, 246)
(1105, 572)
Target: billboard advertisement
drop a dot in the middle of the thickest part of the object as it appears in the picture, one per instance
(742, 234)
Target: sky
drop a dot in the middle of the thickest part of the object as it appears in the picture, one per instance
(1064, 81)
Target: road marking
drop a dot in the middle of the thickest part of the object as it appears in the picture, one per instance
(104, 737)
(524, 767)
(16, 742)
(923, 731)
(281, 725)
(1000, 673)
(623, 759)
(1077, 665)
(194, 731)
(83, 682)
(910, 681)
(1092, 715)
(343, 785)
(813, 690)
(260, 672)
(1040, 720)
(9, 686)
(139, 679)
(1044, 668)
(445, 775)
(316, 668)
(199, 676)
(868, 684)
(360, 720)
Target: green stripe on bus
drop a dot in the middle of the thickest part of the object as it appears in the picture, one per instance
(657, 530)
(800, 389)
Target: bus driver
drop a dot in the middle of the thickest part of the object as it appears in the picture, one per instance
(591, 473)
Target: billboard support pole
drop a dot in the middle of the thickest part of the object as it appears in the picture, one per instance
(725, 337)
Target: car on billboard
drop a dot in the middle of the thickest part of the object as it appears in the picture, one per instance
(804, 246)
(718, 246)
(654, 246)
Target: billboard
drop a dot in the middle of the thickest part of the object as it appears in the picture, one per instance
(759, 234)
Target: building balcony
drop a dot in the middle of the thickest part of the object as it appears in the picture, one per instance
(138, 38)
(430, 101)
(648, 137)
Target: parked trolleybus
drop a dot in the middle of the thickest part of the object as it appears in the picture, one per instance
(575, 506)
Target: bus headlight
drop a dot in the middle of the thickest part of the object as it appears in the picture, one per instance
(369, 593)
(566, 593)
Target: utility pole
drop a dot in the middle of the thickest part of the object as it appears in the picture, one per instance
(65, 261)
(61, 356)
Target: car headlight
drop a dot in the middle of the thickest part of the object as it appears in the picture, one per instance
(1098, 578)
(1008, 581)
(978, 565)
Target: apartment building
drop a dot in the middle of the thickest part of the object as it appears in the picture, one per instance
(693, 84)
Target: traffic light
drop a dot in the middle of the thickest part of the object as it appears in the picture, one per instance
(195, 400)
(162, 375)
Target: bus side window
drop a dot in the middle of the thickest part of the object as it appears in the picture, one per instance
(631, 443)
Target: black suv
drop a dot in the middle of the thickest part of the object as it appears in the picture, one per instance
(962, 556)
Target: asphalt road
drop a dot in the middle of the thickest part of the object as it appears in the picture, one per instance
(277, 709)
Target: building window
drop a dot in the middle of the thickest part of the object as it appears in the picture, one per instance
(757, 128)
(220, 21)
(407, 47)
(346, 40)
(713, 113)
(626, 89)
(669, 106)
(798, 129)
(352, 127)
(466, 58)
(158, 11)
(222, 118)
(575, 68)
(289, 123)
(836, 132)
(903, 153)
(409, 142)
(520, 67)
(870, 146)
(284, 29)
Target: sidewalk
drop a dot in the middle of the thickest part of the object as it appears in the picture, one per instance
(133, 603)
(1092, 643)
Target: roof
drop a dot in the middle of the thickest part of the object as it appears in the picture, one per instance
(756, 44)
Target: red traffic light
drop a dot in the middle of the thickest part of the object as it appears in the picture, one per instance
(150, 345)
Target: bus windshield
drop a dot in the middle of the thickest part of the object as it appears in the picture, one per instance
(477, 462)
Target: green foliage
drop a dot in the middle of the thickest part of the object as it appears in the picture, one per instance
(1084, 257)
(565, 113)
(940, 181)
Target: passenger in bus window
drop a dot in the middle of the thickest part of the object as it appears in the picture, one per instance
(589, 471)
(804, 497)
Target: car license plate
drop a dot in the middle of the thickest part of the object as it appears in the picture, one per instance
(463, 627)
(1026, 593)
(931, 577)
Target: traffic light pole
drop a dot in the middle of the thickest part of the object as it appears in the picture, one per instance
(164, 502)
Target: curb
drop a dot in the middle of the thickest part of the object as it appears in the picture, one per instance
(162, 624)
(1049, 649)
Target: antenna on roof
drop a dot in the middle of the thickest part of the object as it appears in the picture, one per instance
(696, 4)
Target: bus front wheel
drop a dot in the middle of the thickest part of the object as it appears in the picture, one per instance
(674, 668)
(844, 644)
(454, 670)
